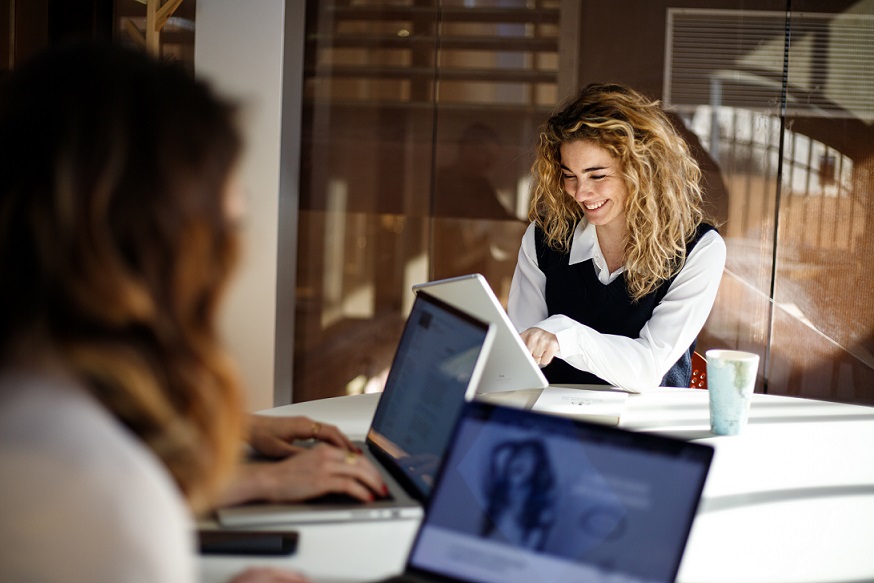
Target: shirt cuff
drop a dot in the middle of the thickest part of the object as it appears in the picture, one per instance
(563, 328)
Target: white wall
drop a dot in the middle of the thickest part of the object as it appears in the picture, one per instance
(239, 49)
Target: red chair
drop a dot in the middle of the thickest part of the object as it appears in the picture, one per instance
(699, 372)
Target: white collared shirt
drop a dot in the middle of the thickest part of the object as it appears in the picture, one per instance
(635, 364)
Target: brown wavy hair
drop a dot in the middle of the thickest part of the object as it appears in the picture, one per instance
(114, 231)
(664, 206)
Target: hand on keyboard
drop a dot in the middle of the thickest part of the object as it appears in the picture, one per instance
(323, 469)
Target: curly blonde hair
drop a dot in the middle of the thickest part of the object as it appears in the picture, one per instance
(113, 228)
(664, 206)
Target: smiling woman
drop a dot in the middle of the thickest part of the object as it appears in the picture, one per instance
(619, 268)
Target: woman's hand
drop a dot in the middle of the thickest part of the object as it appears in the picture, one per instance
(542, 344)
(322, 469)
(274, 436)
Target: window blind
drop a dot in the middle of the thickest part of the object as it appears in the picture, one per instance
(736, 58)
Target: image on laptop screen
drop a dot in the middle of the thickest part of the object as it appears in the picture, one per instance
(529, 497)
(438, 362)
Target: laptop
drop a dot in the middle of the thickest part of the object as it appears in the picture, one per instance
(524, 496)
(510, 366)
(438, 363)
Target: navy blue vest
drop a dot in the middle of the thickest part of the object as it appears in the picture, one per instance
(576, 292)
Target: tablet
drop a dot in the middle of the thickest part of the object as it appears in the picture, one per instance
(510, 366)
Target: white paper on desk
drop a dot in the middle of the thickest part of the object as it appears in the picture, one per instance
(602, 406)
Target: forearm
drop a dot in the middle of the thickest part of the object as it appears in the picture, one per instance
(251, 482)
(628, 363)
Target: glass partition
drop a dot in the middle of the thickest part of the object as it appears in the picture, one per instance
(420, 121)
(822, 342)
(782, 103)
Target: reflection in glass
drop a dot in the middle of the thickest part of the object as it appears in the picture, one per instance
(791, 133)
(413, 112)
(395, 91)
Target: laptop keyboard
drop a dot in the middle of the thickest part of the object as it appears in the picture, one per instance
(345, 499)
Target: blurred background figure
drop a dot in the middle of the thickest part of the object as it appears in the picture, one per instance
(473, 231)
(463, 189)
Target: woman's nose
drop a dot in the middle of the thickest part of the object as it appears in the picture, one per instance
(577, 191)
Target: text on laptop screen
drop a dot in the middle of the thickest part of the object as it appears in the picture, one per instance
(426, 387)
(527, 497)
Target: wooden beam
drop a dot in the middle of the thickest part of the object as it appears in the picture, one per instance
(153, 34)
(157, 16)
(165, 12)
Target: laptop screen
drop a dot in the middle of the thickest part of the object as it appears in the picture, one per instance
(439, 358)
(528, 497)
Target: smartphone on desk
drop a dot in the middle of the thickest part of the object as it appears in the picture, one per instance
(246, 542)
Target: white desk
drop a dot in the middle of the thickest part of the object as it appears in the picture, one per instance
(790, 500)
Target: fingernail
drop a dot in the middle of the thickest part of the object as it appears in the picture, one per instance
(385, 490)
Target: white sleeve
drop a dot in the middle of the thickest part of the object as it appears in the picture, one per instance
(526, 305)
(93, 527)
(638, 364)
(83, 501)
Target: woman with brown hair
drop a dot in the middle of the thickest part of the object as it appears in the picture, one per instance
(619, 267)
(120, 412)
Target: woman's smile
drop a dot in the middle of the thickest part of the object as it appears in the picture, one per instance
(593, 178)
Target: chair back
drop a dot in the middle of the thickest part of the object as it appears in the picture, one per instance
(699, 372)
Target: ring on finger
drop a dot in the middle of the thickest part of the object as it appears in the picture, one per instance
(351, 457)
(316, 428)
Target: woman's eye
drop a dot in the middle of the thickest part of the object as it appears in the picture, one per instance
(599, 177)
(568, 176)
